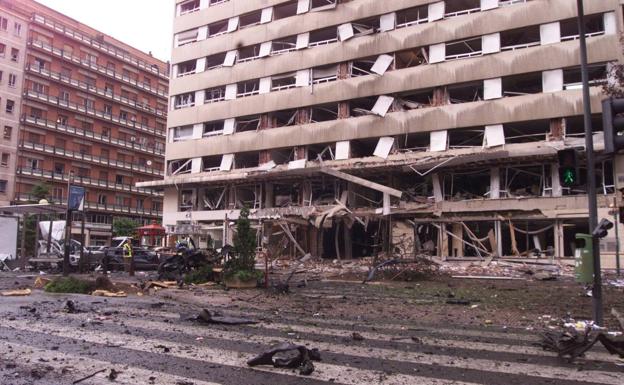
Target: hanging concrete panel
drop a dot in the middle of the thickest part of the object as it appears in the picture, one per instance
(303, 78)
(550, 33)
(265, 49)
(489, 4)
(345, 31)
(230, 91)
(303, 6)
(296, 164)
(492, 88)
(230, 58)
(267, 15)
(438, 141)
(494, 136)
(382, 64)
(437, 53)
(198, 130)
(228, 126)
(387, 22)
(196, 165)
(384, 146)
(226, 162)
(436, 11)
(610, 23)
(199, 97)
(202, 33)
(490, 43)
(343, 150)
(233, 24)
(382, 105)
(303, 40)
(265, 85)
(200, 65)
(552, 81)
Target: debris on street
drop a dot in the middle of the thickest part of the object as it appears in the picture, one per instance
(15, 293)
(208, 317)
(106, 293)
(287, 355)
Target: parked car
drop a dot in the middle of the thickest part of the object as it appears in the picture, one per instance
(144, 259)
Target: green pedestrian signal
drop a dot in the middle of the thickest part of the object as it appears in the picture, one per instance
(569, 168)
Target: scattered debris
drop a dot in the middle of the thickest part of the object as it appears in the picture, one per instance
(207, 317)
(288, 356)
(453, 301)
(89, 376)
(112, 376)
(106, 293)
(70, 307)
(357, 336)
(161, 284)
(15, 293)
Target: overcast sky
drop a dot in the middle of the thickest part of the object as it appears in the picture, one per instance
(144, 24)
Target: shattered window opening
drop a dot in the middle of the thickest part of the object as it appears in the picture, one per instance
(244, 160)
(184, 100)
(324, 113)
(597, 76)
(520, 38)
(182, 133)
(250, 19)
(412, 57)
(323, 36)
(461, 7)
(213, 128)
(464, 49)
(218, 28)
(594, 26)
(283, 45)
(285, 10)
(248, 53)
(211, 163)
(412, 16)
(215, 61)
(325, 74)
(466, 93)
(248, 123)
(248, 88)
(465, 138)
(213, 198)
(283, 81)
(214, 95)
(187, 68)
(181, 166)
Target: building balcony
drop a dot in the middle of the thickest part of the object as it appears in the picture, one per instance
(94, 67)
(34, 68)
(105, 162)
(53, 100)
(94, 206)
(84, 181)
(103, 47)
(51, 125)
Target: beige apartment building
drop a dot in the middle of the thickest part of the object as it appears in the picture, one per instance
(355, 127)
(13, 27)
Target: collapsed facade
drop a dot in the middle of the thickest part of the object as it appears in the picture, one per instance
(355, 127)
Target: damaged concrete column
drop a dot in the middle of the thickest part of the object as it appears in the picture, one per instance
(443, 251)
(268, 195)
(440, 97)
(557, 129)
(437, 188)
(494, 183)
(557, 191)
(265, 155)
(347, 241)
(457, 241)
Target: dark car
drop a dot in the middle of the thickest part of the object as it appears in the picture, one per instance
(144, 259)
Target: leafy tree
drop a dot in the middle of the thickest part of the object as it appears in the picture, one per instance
(124, 227)
(40, 191)
(244, 258)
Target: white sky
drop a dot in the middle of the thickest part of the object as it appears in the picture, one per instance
(143, 24)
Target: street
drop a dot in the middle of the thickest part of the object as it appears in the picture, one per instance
(144, 339)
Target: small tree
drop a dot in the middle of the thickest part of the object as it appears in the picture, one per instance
(124, 227)
(244, 258)
(40, 191)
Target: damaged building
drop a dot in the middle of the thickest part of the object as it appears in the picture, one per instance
(357, 127)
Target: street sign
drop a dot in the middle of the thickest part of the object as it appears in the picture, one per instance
(76, 198)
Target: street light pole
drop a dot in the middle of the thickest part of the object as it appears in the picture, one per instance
(68, 223)
(591, 169)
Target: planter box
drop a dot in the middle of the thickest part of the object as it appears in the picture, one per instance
(235, 283)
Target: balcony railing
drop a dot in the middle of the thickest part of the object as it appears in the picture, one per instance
(94, 206)
(34, 68)
(91, 112)
(94, 67)
(152, 68)
(39, 122)
(82, 180)
(90, 158)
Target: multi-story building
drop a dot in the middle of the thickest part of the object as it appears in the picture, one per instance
(93, 114)
(362, 126)
(12, 55)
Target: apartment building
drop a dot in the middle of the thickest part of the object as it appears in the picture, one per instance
(356, 127)
(93, 113)
(12, 55)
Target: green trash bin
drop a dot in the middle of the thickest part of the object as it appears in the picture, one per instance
(583, 258)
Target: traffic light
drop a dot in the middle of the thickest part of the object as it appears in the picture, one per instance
(603, 228)
(569, 169)
(613, 124)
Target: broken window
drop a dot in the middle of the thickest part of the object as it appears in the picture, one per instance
(284, 118)
(594, 26)
(283, 81)
(528, 131)
(323, 36)
(283, 45)
(248, 53)
(361, 148)
(188, 7)
(324, 113)
(213, 95)
(248, 123)
(212, 198)
(212, 128)
(282, 155)
(414, 99)
(412, 16)
(534, 238)
(574, 126)
(187, 37)
(250, 19)
(461, 7)
(322, 152)
(211, 163)
(362, 67)
(524, 84)
(249, 196)
(248, 88)
(411, 57)
(362, 106)
(358, 28)
(187, 200)
(572, 76)
(187, 68)
(286, 194)
(413, 142)
(180, 166)
(246, 160)
(184, 100)
(464, 49)
(524, 180)
(285, 10)
(324, 74)
(465, 93)
(322, 5)
(520, 38)
(218, 28)
(466, 184)
(465, 138)
(215, 61)
(182, 133)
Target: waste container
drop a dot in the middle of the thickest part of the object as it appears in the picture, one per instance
(583, 258)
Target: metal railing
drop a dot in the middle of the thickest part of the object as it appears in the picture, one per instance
(120, 54)
(90, 158)
(21, 197)
(95, 67)
(40, 122)
(100, 92)
(91, 112)
(82, 180)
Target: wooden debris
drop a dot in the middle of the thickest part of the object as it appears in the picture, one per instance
(106, 293)
(15, 293)
(162, 284)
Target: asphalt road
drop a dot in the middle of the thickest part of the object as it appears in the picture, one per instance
(144, 339)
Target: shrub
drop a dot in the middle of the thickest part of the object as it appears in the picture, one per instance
(68, 285)
(202, 275)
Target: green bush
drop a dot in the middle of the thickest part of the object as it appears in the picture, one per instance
(68, 285)
(245, 275)
(202, 275)
(244, 256)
